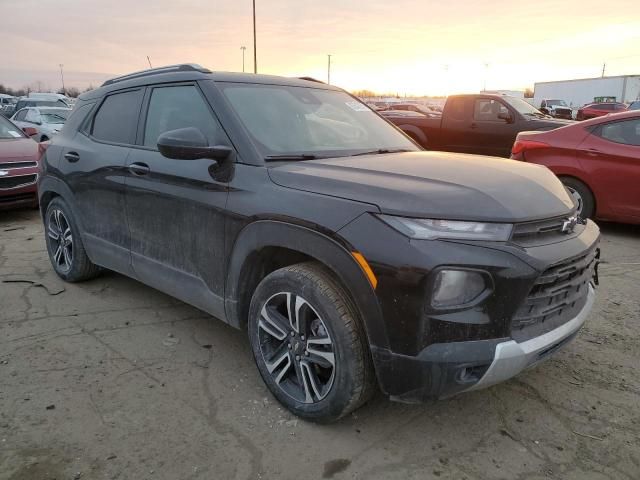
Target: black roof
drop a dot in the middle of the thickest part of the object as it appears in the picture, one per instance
(190, 72)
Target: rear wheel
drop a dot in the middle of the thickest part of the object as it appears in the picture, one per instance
(64, 245)
(308, 343)
(582, 196)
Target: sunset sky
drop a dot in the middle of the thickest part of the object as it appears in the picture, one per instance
(407, 46)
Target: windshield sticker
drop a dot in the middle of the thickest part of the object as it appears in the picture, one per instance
(358, 107)
(14, 134)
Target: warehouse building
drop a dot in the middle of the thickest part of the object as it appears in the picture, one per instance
(623, 88)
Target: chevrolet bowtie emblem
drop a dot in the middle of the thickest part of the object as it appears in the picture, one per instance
(569, 224)
(3, 173)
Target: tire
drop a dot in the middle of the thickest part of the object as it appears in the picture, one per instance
(69, 259)
(583, 196)
(316, 360)
(43, 138)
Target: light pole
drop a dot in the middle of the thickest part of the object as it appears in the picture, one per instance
(243, 48)
(64, 90)
(486, 70)
(255, 52)
(329, 69)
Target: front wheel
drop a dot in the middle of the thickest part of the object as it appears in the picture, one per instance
(308, 343)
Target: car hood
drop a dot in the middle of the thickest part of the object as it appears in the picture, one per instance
(14, 150)
(434, 185)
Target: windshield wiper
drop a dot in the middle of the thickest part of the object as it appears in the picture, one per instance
(293, 156)
(381, 151)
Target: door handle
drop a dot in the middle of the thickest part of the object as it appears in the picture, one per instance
(139, 168)
(592, 152)
(474, 125)
(72, 157)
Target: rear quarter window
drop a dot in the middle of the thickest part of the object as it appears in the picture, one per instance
(116, 120)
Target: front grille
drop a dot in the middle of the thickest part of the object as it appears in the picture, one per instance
(9, 165)
(557, 294)
(543, 231)
(17, 181)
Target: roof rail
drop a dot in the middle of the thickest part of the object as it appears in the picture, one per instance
(311, 79)
(185, 67)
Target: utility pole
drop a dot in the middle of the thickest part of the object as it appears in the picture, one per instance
(255, 52)
(604, 67)
(243, 48)
(486, 70)
(329, 69)
(149, 60)
(64, 90)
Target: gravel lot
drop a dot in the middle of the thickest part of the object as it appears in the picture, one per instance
(111, 379)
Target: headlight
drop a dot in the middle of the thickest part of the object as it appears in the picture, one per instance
(431, 229)
(453, 288)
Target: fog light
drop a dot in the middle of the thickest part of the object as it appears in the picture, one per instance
(456, 288)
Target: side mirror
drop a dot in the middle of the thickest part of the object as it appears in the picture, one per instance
(506, 116)
(30, 131)
(190, 144)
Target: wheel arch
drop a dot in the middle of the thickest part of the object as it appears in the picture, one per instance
(264, 246)
(586, 184)
(50, 188)
(415, 133)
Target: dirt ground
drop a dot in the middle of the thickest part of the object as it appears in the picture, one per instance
(110, 379)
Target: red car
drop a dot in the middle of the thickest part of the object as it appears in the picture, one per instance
(597, 160)
(19, 156)
(594, 110)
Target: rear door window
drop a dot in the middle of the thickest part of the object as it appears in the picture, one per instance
(20, 115)
(626, 132)
(117, 118)
(455, 108)
(33, 116)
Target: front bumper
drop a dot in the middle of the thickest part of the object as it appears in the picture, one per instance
(511, 357)
(444, 370)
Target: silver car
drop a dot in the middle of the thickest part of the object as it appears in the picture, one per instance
(47, 121)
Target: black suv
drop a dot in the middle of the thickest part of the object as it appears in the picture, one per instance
(290, 208)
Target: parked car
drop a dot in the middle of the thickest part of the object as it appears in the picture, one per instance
(7, 105)
(634, 105)
(483, 124)
(44, 121)
(594, 110)
(18, 167)
(598, 161)
(24, 102)
(290, 208)
(557, 109)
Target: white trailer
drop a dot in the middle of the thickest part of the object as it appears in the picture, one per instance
(624, 88)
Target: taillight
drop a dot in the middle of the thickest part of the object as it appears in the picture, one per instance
(42, 147)
(522, 145)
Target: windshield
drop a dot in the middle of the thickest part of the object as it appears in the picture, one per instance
(284, 120)
(557, 103)
(521, 106)
(58, 115)
(8, 130)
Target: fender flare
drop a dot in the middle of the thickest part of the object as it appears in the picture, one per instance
(51, 185)
(415, 132)
(333, 255)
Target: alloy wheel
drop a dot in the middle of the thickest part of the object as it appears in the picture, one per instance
(578, 199)
(296, 347)
(60, 240)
